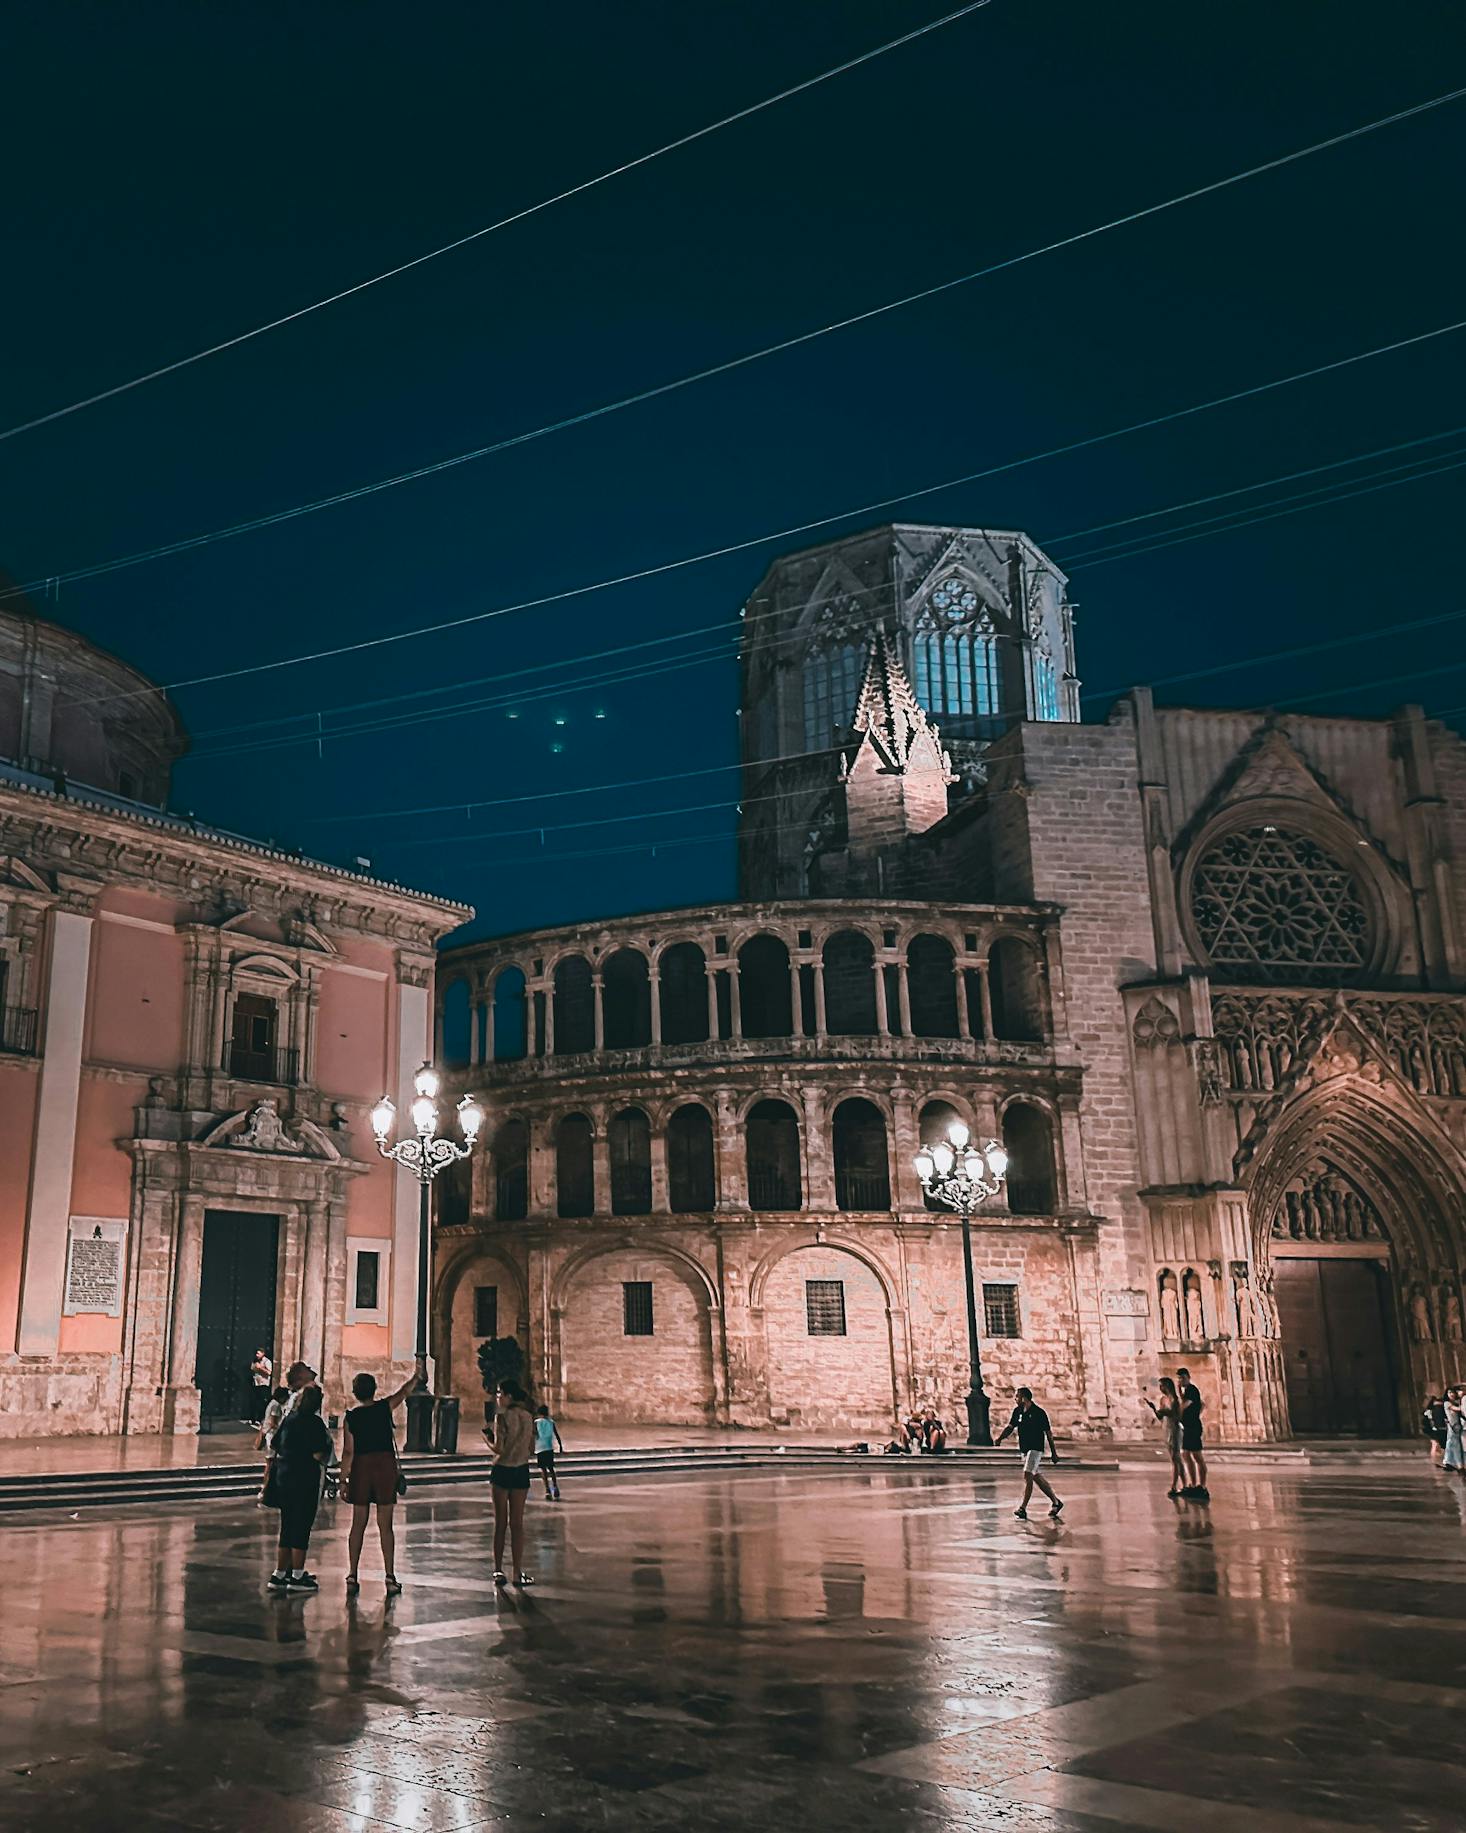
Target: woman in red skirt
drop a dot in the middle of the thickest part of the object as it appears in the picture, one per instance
(369, 1474)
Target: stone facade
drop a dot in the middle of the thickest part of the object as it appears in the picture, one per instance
(1202, 970)
(192, 1031)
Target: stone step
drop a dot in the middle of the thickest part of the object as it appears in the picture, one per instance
(117, 1488)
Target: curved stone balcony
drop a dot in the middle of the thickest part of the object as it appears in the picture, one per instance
(803, 982)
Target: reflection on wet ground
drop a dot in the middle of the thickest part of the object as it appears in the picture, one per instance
(854, 1648)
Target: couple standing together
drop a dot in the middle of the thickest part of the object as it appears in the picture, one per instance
(1179, 1410)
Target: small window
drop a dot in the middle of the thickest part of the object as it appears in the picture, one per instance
(368, 1281)
(824, 1307)
(636, 1307)
(1000, 1311)
(486, 1311)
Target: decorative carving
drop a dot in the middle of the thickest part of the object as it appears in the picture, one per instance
(1195, 1321)
(1206, 1061)
(1155, 1025)
(1265, 1038)
(1271, 904)
(1451, 1316)
(265, 1130)
(1321, 1204)
(1170, 1308)
(1420, 1318)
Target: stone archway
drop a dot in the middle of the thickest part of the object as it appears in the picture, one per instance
(1355, 1205)
(634, 1332)
(828, 1340)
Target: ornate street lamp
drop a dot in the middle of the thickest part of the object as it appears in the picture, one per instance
(957, 1174)
(424, 1153)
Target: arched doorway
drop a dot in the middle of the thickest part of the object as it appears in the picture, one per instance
(1356, 1205)
(827, 1328)
(636, 1340)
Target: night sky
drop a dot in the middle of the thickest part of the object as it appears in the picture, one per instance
(178, 173)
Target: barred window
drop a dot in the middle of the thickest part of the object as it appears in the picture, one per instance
(1270, 905)
(636, 1308)
(824, 1307)
(368, 1280)
(1000, 1311)
(486, 1311)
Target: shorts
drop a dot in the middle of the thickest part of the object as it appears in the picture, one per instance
(509, 1476)
(546, 1462)
(1191, 1438)
(1031, 1462)
(373, 1478)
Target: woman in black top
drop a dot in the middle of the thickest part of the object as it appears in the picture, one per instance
(299, 1452)
(369, 1474)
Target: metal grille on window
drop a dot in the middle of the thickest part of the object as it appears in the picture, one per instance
(368, 1276)
(824, 1307)
(636, 1306)
(486, 1311)
(1000, 1311)
(1275, 906)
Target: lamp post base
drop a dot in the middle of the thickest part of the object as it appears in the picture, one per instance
(420, 1404)
(979, 1428)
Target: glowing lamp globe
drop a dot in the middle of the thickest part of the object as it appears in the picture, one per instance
(423, 1114)
(943, 1157)
(958, 1134)
(426, 1082)
(997, 1159)
(925, 1165)
(383, 1114)
(470, 1118)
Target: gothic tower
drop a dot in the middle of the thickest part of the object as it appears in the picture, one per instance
(978, 623)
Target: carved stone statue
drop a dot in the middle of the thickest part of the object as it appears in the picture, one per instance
(1170, 1310)
(1420, 1318)
(1452, 1314)
(1195, 1323)
(265, 1131)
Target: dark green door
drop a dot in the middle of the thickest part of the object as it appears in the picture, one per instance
(236, 1307)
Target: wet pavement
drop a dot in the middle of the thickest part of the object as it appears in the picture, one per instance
(852, 1649)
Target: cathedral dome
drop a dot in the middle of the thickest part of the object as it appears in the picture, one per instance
(68, 709)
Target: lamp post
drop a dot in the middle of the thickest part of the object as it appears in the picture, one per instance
(424, 1153)
(956, 1173)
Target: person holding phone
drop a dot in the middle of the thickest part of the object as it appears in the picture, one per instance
(1168, 1411)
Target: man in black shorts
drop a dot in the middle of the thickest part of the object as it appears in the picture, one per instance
(1031, 1424)
(1193, 1463)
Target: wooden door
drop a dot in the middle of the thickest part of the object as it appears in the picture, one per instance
(1336, 1352)
(236, 1306)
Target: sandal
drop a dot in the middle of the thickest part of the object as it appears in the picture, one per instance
(394, 1585)
(500, 1578)
(524, 1578)
(353, 1584)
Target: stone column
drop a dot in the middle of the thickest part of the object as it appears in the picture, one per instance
(712, 979)
(883, 1017)
(54, 1150)
(903, 995)
(819, 1164)
(985, 1001)
(183, 1345)
(904, 1141)
(654, 990)
(661, 1197)
(335, 1307)
(735, 1000)
(598, 1000)
(796, 1000)
(729, 1159)
(488, 1008)
(964, 1022)
(541, 1167)
(819, 998)
(549, 995)
(313, 1286)
(600, 1162)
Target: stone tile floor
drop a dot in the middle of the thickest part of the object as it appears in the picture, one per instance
(852, 1649)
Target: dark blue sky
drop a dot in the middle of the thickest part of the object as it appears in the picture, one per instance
(178, 173)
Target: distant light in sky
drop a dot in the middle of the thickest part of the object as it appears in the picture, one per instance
(559, 719)
(557, 747)
(511, 715)
(600, 712)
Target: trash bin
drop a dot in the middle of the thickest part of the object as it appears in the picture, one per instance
(447, 1441)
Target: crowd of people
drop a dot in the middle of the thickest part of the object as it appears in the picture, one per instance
(301, 1470)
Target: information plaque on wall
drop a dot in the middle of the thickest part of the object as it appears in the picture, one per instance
(94, 1266)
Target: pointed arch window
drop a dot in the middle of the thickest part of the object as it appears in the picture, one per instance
(955, 658)
(1045, 686)
(831, 687)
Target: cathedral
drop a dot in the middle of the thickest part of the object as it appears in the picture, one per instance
(1199, 972)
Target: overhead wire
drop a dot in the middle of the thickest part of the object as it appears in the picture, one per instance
(781, 534)
(1341, 489)
(273, 518)
(517, 216)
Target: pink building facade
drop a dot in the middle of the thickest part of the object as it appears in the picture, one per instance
(193, 1028)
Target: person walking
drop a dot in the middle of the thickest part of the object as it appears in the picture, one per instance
(1433, 1419)
(1193, 1460)
(1454, 1455)
(546, 1441)
(514, 1436)
(301, 1449)
(1031, 1424)
(370, 1474)
(1168, 1411)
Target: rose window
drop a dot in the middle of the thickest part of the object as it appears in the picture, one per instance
(954, 598)
(1270, 905)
